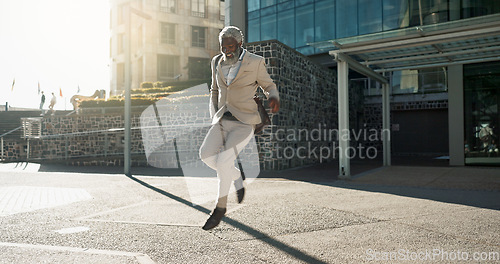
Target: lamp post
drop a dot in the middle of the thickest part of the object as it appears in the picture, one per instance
(128, 82)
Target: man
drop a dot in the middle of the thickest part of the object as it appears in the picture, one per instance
(53, 101)
(42, 101)
(236, 76)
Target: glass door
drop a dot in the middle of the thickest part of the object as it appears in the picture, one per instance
(482, 100)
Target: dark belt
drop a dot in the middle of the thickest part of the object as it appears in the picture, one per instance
(228, 115)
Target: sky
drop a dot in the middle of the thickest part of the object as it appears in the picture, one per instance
(60, 44)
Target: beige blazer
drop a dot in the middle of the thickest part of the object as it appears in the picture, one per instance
(238, 96)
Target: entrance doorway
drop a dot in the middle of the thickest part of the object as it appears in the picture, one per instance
(482, 100)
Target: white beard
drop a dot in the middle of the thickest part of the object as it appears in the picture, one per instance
(232, 60)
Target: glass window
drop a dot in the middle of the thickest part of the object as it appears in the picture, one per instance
(405, 81)
(370, 16)
(268, 27)
(168, 6)
(268, 11)
(198, 36)
(167, 33)
(286, 28)
(168, 67)
(266, 3)
(285, 5)
(121, 13)
(304, 21)
(140, 36)
(481, 113)
(419, 81)
(325, 21)
(434, 11)
(395, 14)
(254, 14)
(433, 80)
(253, 30)
(120, 75)
(302, 2)
(121, 43)
(198, 8)
(253, 5)
(346, 18)
(425, 12)
(415, 19)
(199, 68)
(473, 8)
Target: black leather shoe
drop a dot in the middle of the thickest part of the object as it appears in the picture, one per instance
(240, 190)
(215, 218)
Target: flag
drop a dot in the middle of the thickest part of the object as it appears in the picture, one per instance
(38, 87)
(60, 92)
(13, 82)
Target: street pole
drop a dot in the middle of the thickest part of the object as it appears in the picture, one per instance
(128, 83)
(128, 110)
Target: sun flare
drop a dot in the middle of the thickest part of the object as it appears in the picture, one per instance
(56, 44)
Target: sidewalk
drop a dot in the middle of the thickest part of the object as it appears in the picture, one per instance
(390, 215)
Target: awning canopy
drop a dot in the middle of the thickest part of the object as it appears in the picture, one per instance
(456, 42)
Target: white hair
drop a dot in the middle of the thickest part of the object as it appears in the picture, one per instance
(231, 32)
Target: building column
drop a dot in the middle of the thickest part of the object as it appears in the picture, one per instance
(343, 111)
(235, 15)
(386, 123)
(456, 115)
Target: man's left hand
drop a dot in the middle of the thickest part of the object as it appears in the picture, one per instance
(274, 104)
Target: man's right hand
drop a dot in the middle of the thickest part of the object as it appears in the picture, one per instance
(274, 104)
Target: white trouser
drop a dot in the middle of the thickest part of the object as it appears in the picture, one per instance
(224, 141)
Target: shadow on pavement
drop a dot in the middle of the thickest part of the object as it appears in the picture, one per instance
(480, 199)
(369, 175)
(245, 228)
(143, 171)
(326, 174)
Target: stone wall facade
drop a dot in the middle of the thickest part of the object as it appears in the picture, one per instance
(91, 140)
(308, 98)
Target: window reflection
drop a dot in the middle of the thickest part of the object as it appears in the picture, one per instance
(346, 18)
(395, 13)
(404, 82)
(319, 20)
(304, 23)
(254, 30)
(370, 16)
(266, 3)
(423, 81)
(253, 5)
(268, 27)
(286, 27)
(324, 20)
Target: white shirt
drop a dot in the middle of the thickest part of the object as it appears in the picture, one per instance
(230, 71)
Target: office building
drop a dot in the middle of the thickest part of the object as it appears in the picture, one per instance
(441, 59)
(165, 40)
